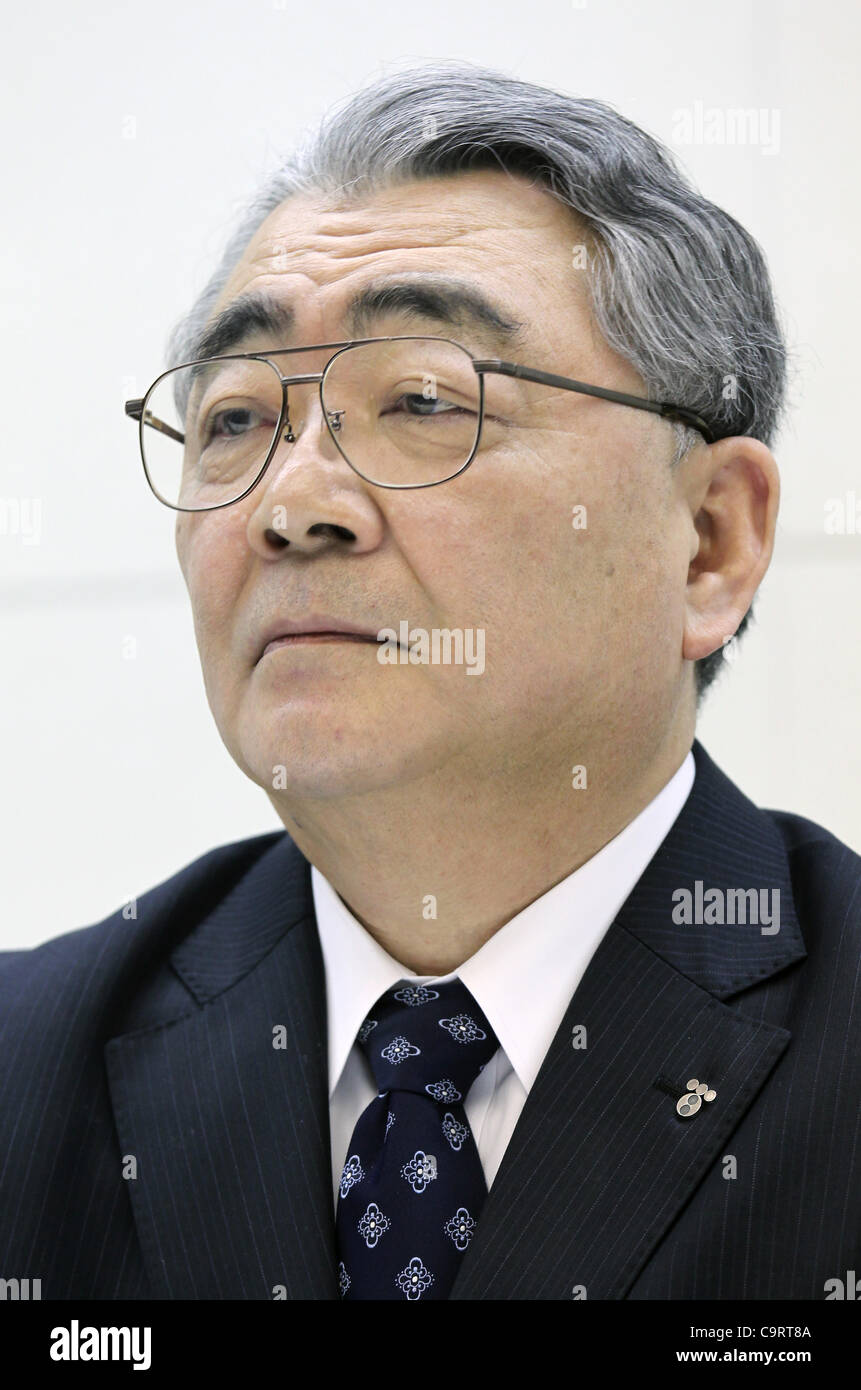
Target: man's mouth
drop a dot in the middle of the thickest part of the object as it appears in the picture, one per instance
(304, 638)
(316, 628)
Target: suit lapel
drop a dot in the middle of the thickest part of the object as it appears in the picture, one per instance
(600, 1164)
(233, 1195)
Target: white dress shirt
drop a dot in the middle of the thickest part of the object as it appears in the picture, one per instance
(522, 978)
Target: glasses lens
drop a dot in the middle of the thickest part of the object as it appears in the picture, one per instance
(404, 413)
(207, 429)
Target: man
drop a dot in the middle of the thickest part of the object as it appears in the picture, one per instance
(529, 1001)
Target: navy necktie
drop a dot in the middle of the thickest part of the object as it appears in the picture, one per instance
(413, 1186)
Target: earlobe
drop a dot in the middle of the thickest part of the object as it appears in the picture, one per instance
(734, 501)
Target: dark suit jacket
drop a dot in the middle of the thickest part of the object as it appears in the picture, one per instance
(147, 1045)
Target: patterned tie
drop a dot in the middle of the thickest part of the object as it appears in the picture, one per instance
(413, 1186)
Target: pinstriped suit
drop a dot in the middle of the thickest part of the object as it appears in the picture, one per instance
(152, 1040)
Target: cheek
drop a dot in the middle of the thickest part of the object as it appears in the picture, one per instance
(503, 554)
(641, 599)
(211, 563)
(599, 557)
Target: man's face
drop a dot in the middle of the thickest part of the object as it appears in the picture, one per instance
(582, 624)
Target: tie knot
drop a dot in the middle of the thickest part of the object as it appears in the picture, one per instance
(432, 1039)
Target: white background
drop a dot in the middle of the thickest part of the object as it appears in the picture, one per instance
(132, 137)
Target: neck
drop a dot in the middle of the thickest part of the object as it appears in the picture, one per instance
(432, 870)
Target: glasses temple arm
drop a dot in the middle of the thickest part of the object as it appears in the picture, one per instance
(135, 410)
(662, 408)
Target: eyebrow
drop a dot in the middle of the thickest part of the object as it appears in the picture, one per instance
(440, 300)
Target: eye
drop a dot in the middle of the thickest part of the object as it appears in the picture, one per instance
(420, 406)
(228, 424)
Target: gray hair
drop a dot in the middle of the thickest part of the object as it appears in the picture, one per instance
(678, 287)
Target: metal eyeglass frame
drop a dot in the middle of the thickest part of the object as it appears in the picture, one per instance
(136, 408)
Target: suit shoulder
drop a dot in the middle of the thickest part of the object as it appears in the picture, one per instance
(146, 929)
(826, 872)
(799, 833)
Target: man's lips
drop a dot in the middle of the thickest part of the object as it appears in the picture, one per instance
(305, 637)
(315, 629)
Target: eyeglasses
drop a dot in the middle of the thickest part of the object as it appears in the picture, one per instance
(404, 412)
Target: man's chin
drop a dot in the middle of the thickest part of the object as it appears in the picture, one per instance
(330, 760)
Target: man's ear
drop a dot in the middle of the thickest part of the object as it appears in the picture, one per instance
(733, 491)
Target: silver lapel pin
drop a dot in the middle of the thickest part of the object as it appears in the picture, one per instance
(690, 1102)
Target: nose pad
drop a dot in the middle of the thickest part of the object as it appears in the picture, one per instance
(290, 437)
(335, 418)
(292, 428)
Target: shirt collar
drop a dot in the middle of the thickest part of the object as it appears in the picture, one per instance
(523, 977)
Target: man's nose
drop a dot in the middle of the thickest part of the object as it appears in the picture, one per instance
(310, 498)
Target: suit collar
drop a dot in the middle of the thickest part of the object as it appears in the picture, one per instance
(247, 923)
(722, 842)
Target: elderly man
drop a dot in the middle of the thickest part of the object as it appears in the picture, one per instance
(467, 442)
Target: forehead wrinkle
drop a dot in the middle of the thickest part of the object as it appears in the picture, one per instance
(318, 253)
(334, 227)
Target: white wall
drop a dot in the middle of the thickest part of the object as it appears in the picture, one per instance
(132, 137)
